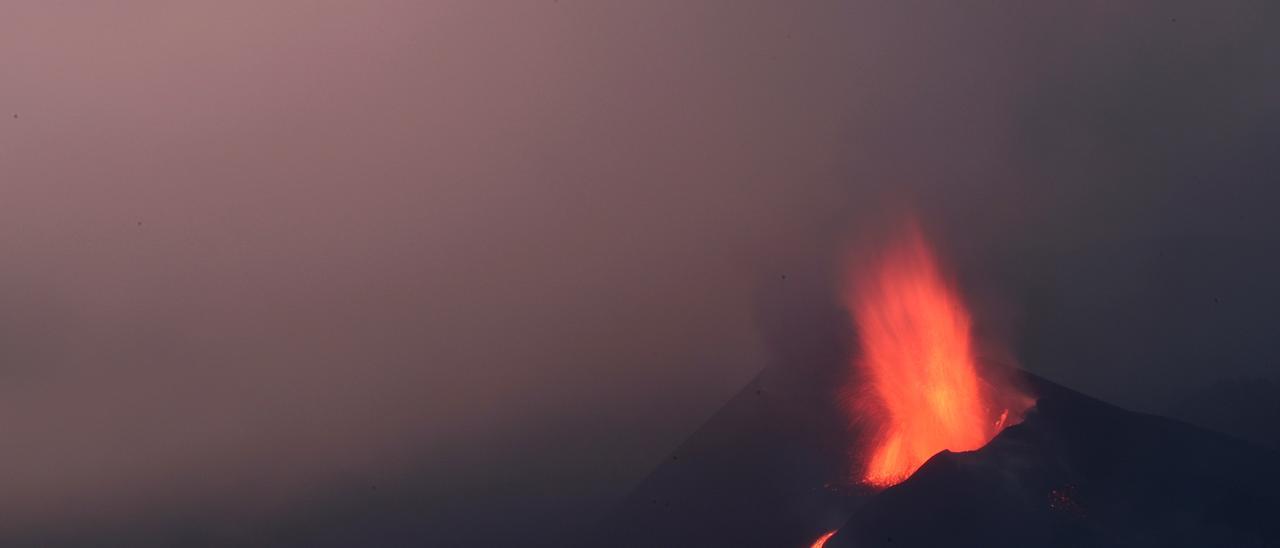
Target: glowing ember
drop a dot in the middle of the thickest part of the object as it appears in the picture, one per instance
(922, 392)
(822, 540)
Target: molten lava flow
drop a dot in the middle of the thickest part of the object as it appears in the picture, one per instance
(922, 392)
(822, 540)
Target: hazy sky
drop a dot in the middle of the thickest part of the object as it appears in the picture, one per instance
(458, 273)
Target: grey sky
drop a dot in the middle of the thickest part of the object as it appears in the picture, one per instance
(493, 257)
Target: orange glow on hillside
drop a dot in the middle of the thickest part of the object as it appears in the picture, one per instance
(922, 392)
(822, 540)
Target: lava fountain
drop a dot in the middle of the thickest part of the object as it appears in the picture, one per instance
(920, 388)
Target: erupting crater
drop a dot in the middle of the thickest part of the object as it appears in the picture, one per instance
(918, 387)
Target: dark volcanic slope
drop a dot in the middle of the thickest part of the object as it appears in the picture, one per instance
(1080, 472)
(766, 470)
(1246, 408)
(759, 473)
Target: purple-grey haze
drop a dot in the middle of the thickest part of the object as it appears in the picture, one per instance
(478, 265)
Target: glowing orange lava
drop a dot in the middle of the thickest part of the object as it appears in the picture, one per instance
(922, 392)
(822, 540)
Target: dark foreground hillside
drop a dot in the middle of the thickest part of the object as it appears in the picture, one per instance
(766, 472)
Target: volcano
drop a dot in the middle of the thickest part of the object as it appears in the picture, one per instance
(915, 442)
(1075, 472)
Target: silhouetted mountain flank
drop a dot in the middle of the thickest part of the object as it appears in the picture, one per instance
(1080, 472)
(1245, 408)
(762, 472)
(768, 469)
